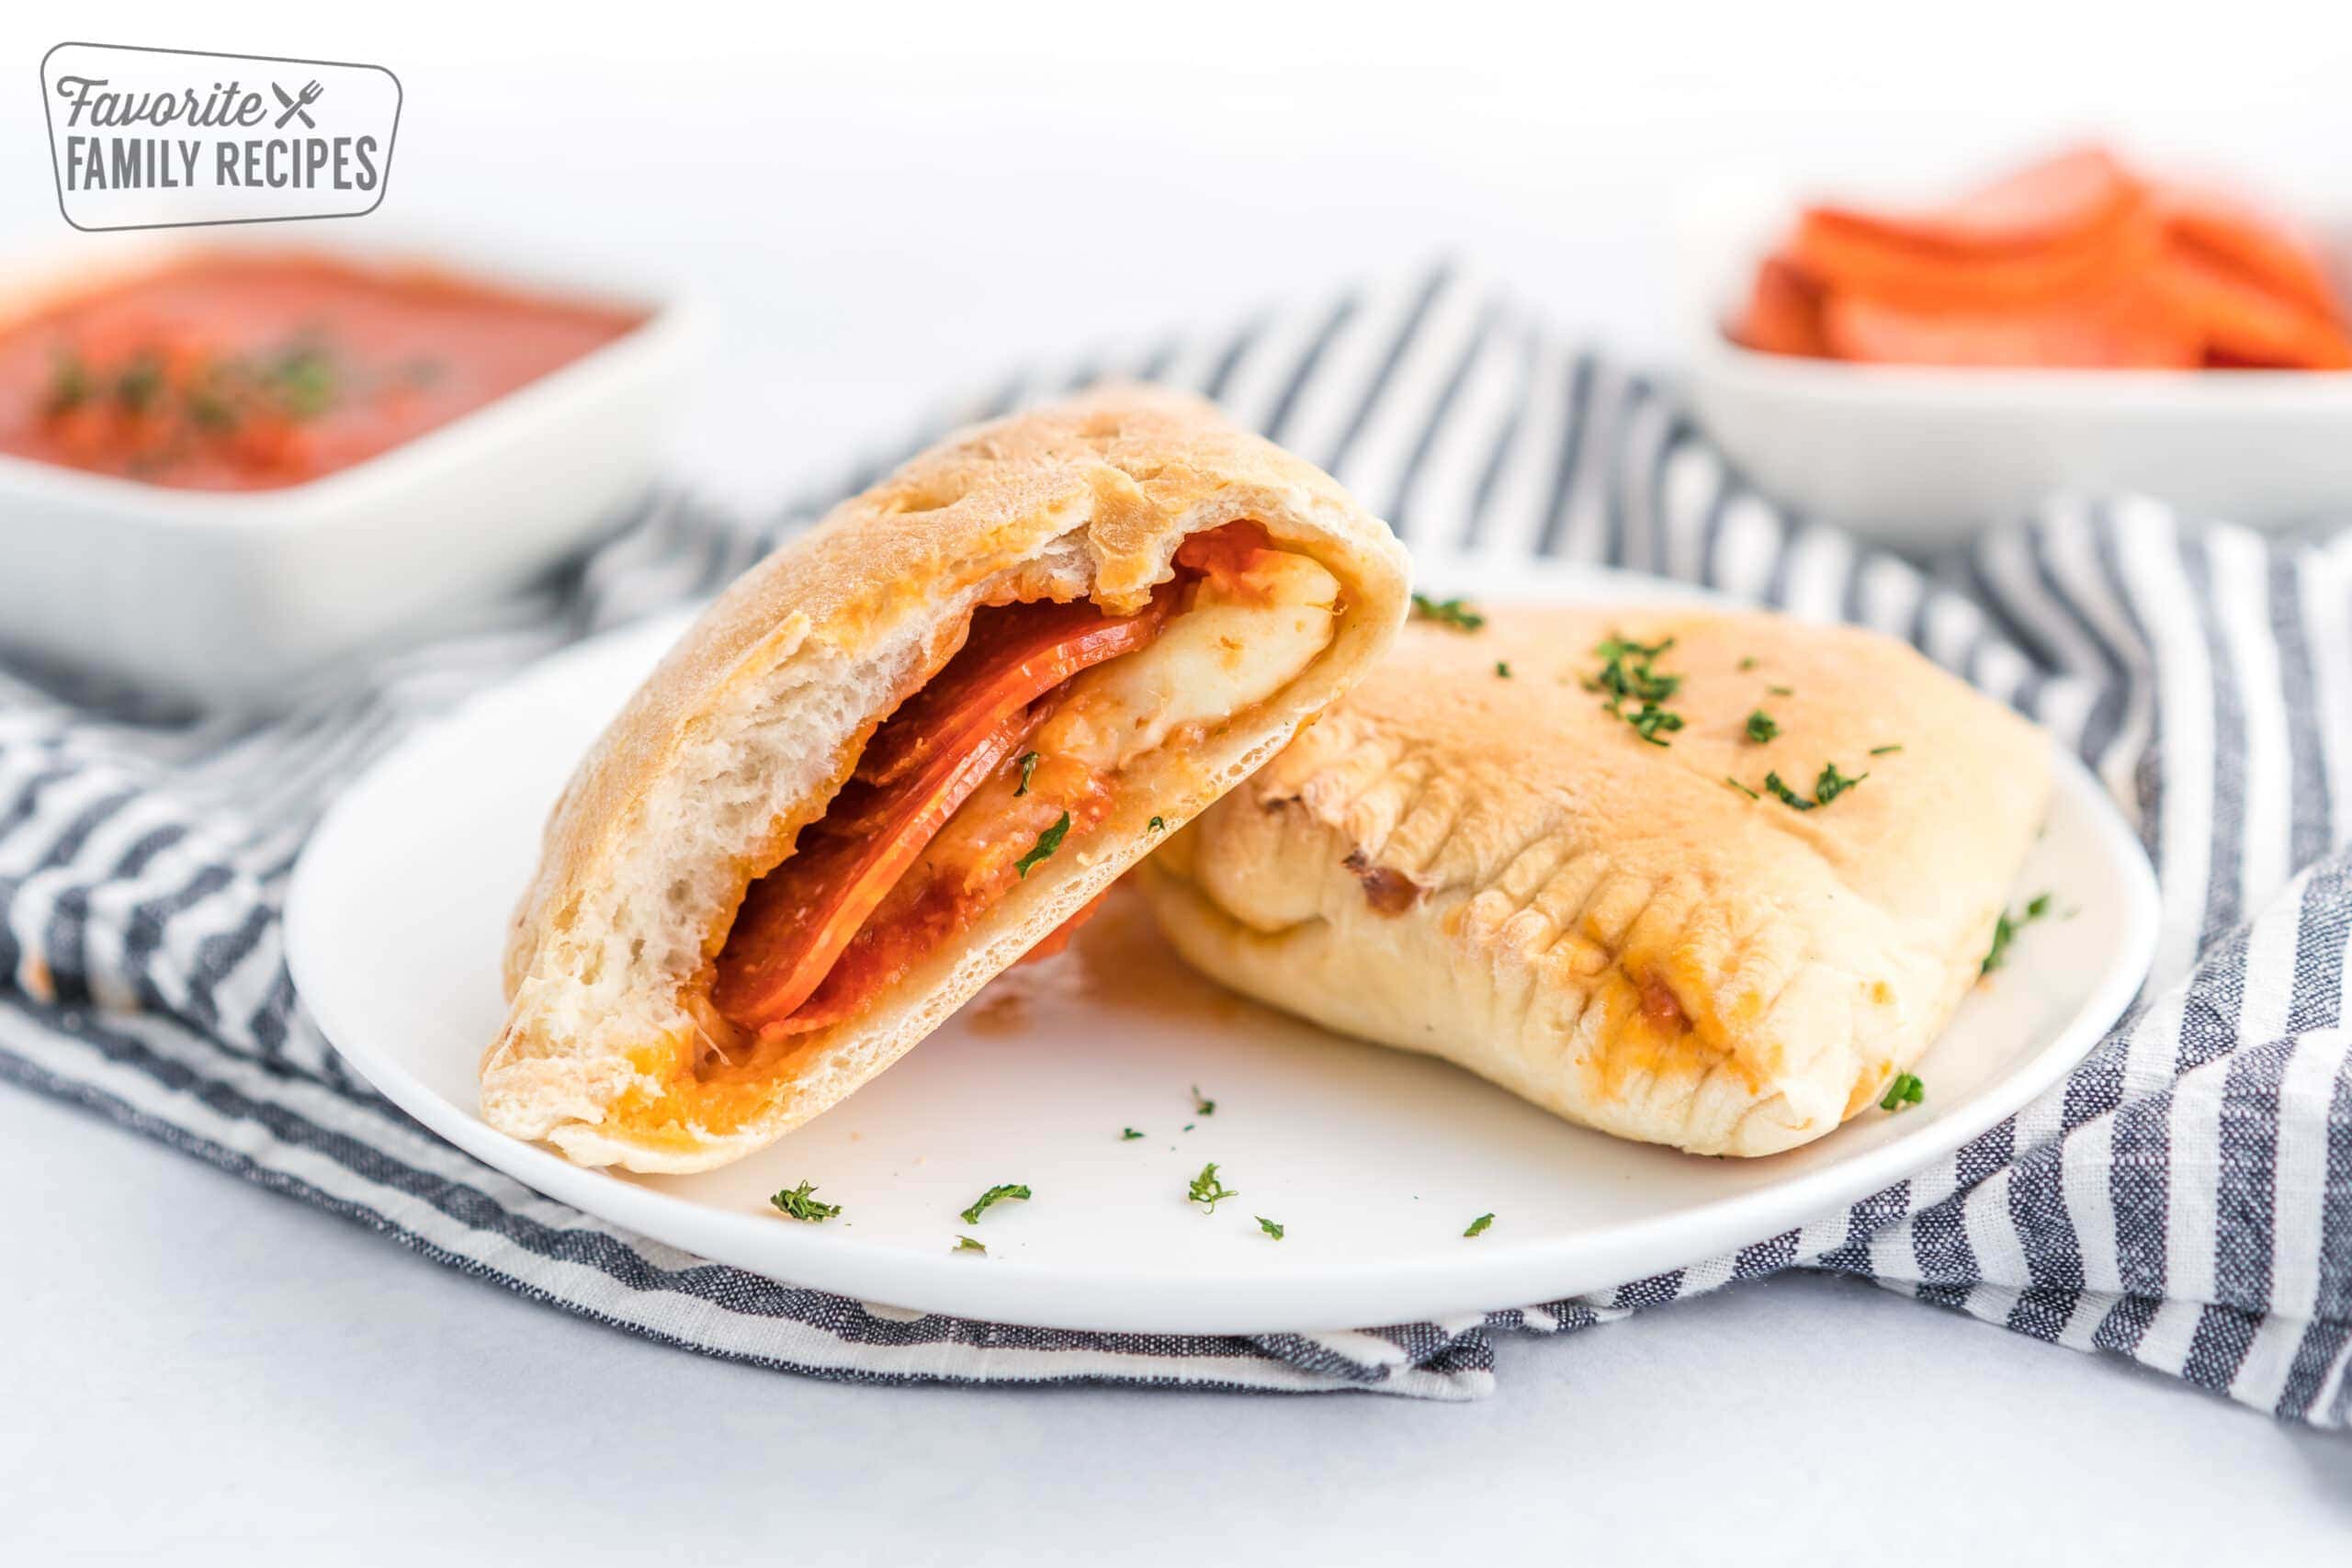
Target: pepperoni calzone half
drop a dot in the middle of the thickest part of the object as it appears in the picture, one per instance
(908, 749)
(1694, 877)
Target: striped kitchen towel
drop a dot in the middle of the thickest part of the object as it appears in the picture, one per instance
(2184, 1199)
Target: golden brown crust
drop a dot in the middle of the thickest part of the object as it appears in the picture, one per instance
(1090, 498)
(1496, 869)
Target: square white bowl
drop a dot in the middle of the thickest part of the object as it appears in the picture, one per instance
(222, 598)
(1922, 457)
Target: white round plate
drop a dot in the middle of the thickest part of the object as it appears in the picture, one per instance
(1374, 1161)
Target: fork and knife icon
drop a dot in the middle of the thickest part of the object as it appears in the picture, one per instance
(298, 107)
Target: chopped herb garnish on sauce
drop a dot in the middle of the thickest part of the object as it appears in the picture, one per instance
(1478, 1226)
(965, 1244)
(800, 1206)
(1884, 750)
(304, 380)
(2006, 929)
(176, 398)
(1761, 727)
(1502, 669)
(1271, 1227)
(1741, 787)
(1452, 613)
(1206, 1188)
(1907, 1089)
(1155, 826)
(210, 409)
(1047, 842)
(1200, 1106)
(992, 1197)
(1785, 795)
(1129, 1134)
(1028, 772)
(69, 383)
(1782, 691)
(1747, 663)
(138, 388)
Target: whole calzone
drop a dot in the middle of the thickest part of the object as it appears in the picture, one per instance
(910, 748)
(1700, 878)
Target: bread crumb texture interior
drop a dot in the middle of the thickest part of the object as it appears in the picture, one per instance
(1470, 856)
(754, 721)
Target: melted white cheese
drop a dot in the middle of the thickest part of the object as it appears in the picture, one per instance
(1238, 645)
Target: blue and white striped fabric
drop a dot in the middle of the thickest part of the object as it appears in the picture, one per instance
(2184, 1199)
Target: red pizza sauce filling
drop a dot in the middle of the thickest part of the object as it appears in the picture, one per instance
(946, 811)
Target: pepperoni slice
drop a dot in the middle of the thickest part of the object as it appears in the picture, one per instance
(2127, 326)
(1783, 313)
(1849, 259)
(2052, 203)
(2264, 249)
(2074, 262)
(2242, 322)
(1014, 655)
(924, 763)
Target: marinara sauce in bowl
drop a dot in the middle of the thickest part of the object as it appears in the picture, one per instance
(224, 467)
(255, 371)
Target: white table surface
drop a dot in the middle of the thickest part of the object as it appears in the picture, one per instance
(194, 1363)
